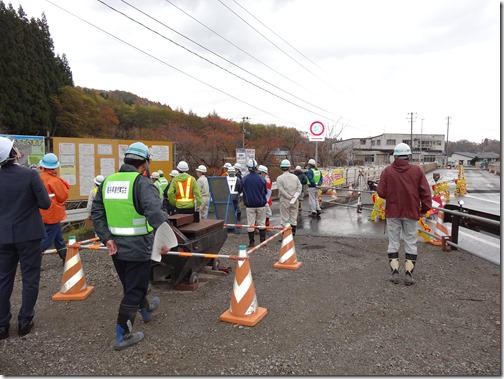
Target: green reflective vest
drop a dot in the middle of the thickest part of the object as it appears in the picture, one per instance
(164, 183)
(316, 175)
(122, 217)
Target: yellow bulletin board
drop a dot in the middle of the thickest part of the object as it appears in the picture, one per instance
(82, 159)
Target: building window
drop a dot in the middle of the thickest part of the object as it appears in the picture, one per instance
(363, 141)
(372, 143)
(438, 142)
(378, 142)
(407, 142)
(369, 158)
(391, 142)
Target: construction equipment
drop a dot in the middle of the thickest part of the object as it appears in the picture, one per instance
(205, 236)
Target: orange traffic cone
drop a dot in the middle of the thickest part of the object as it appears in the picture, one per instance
(243, 309)
(440, 231)
(288, 259)
(73, 284)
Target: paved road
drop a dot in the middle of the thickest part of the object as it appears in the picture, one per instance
(343, 220)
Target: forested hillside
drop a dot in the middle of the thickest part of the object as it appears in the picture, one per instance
(38, 97)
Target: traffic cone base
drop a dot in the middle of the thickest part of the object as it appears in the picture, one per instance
(251, 320)
(435, 242)
(293, 266)
(73, 296)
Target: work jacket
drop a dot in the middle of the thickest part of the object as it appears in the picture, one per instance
(184, 192)
(147, 203)
(57, 188)
(254, 190)
(405, 190)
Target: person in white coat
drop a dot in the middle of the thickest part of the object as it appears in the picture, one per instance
(204, 189)
(289, 189)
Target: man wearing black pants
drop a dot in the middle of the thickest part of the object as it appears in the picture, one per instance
(22, 229)
(125, 212)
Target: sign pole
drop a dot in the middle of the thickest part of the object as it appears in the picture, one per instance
(316, 152)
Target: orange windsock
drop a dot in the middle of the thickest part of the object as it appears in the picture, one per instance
(73, 283)
(288, 259)
(243, 309)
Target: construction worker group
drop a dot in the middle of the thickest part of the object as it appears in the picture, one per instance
(127, 207)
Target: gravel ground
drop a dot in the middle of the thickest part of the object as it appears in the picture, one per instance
(337, 315)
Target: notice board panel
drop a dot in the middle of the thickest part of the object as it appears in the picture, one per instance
(83, 158)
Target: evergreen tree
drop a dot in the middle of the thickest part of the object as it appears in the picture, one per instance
(30, 73)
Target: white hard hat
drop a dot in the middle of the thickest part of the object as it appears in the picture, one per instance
(402, 149)
(154, 175)
(174, 173)
(252, 164)
(227, 165)
(183, 166)
(312, 162)
(237, 166)
(5, 148)
(285, 163)
(263, 169)
(49, 161)
(298, 168)
(201, 168)
(231, 170)
(99, 180)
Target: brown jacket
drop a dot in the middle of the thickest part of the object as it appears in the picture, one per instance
(405, 189)
(57, 188)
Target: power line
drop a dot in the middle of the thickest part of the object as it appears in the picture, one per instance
(212, 52)
(169, 65)
(236, 46)
(209, 61)
(267, 39)
(287, 43)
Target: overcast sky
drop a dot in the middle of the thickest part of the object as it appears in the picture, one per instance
(360, 65)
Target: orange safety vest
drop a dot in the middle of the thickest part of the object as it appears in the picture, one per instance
(185, 193)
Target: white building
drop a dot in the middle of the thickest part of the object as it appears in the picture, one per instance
(464, 158)
(376, 150)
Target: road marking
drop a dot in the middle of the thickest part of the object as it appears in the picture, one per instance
(479, 198)
(480, 239)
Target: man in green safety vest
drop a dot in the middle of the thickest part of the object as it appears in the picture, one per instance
(125, 211)
(314, 176)
(162, 180)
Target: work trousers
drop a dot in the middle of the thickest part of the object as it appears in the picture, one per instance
(289, 212)
(134, 276)
(203, 210)
(30, 258)
(313, 199)
(256, 215)
(53, 235)
(408, 228)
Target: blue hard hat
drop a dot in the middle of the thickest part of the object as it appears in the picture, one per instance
(50, 161)
(139, 149)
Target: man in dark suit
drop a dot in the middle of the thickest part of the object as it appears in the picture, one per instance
(22, 229)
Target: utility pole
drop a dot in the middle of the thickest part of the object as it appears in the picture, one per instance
(447, 130)
(411, 134)
(421, 137)
(244, 131)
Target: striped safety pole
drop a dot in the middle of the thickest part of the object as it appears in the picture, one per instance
(255, 248)
(254, 226)
(203, 255)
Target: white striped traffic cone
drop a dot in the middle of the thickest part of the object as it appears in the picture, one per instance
(73, 283)
(288, 259)
(440, 230)
(243, 309)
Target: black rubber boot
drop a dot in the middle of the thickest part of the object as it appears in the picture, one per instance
(293, 230)
(394, 267)
(409, 267)
(125, 320)
(262, 235)
(251, 239)
(62, 252)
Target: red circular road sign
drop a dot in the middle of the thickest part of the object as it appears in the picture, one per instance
(317, 128)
